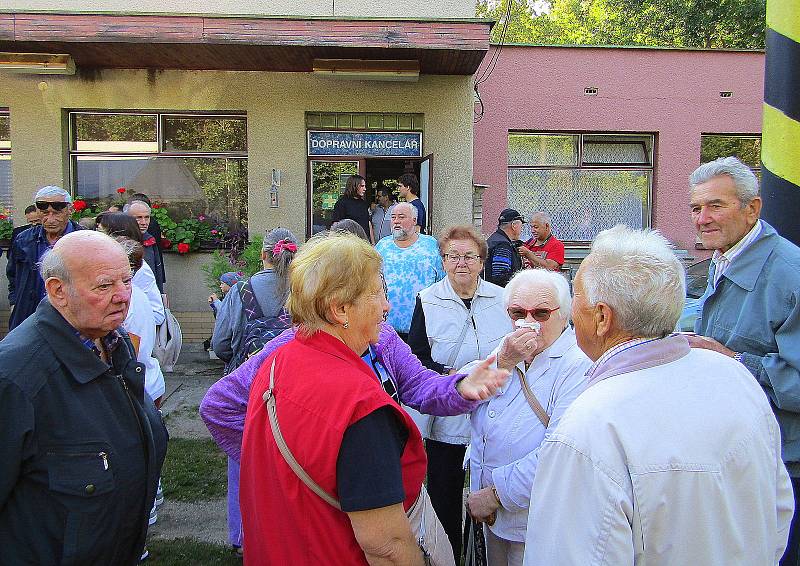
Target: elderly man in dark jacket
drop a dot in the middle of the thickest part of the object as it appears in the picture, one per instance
(81, 444)
(25, 286)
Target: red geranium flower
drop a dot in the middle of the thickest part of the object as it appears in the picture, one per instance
(156, 205)
(166, 243)
(183, 248)
(79, 205)
(121, 190)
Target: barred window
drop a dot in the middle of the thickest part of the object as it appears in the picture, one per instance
(585, 182)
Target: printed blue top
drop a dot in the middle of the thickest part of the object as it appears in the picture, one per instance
(407, 272)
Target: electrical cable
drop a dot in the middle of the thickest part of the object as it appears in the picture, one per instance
(490, 66)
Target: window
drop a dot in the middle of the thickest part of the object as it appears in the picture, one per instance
(745, 147)
(5, 161)
(193, 163)
(585, 182)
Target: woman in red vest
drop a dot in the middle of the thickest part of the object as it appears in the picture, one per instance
(342, 427)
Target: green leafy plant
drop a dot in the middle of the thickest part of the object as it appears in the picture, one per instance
(248, 261)
(6, 228)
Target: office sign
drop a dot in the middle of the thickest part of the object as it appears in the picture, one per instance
(375, 144)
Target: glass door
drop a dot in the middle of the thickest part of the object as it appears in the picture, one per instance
(327, 181)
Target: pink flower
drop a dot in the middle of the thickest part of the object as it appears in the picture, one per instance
(201, 217)
(215, 232)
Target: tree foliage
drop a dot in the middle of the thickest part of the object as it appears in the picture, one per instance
(731, 24)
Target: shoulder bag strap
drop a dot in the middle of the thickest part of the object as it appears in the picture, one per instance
(460, 341)
(269, 399)
(532, 400)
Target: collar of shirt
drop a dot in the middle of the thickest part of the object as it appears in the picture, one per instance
(43, 244)
(618, 349)
(737, 248)
(111, 342)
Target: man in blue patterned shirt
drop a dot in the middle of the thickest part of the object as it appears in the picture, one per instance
(411, 262)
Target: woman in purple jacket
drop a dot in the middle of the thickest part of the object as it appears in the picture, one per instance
(404, 377)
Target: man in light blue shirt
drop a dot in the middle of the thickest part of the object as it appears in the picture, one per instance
(751, 308)
(411, 262)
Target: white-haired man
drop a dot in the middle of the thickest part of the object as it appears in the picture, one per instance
(543, 249)
(411, 262)
(25, 285)
(751, 308)
(672, 454)
(81, 443)
(141, 212)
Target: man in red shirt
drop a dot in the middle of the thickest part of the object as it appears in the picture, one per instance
(543, 249)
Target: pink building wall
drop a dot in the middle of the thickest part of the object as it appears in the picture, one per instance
(671, 93)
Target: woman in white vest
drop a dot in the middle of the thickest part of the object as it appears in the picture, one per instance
(456, 321)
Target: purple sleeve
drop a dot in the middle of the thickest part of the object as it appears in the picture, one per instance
(418, 387)
(224, 406)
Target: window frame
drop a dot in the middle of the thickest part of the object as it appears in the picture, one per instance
(5, 155)
(73, 154)
(609, 167)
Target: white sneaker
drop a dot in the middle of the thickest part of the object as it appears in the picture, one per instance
(145, 555)
(153, 516)
(159, 494)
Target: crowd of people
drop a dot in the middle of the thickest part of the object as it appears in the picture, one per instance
(368, 365)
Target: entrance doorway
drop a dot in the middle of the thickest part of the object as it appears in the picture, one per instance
(328, 176)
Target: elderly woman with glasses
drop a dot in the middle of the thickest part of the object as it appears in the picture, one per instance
(341, 424)
(456, 321)
(547, 375)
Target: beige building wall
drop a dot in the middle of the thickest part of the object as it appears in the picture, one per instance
(275, 104)
(406, 9)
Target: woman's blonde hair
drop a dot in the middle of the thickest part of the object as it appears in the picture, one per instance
(332, 267)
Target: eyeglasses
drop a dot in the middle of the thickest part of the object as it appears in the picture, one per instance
(542, 315)
(469, 259)
(58, 206)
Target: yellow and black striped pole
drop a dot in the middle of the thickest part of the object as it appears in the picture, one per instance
(780, 149)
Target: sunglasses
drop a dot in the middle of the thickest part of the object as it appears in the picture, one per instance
(57, 206)
(542, 315)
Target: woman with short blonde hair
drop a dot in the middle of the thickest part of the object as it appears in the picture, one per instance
(332, 268)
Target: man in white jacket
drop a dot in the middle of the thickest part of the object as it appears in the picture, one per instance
(671, 455)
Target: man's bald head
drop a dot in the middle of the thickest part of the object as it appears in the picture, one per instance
(76, 249)
(88, 280)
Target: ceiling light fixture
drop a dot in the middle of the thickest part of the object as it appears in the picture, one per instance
(37, 63)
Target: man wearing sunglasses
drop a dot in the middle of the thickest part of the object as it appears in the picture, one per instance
(25, 285)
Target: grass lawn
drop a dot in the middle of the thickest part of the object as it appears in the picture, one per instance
(188, 552)
(194, 470)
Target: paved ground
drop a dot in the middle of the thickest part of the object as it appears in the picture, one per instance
(185, 387)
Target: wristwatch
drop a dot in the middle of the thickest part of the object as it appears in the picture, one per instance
(494, 492)
(738, 357)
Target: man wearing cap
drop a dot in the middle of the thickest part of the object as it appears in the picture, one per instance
(503, 259)
(25, 285)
